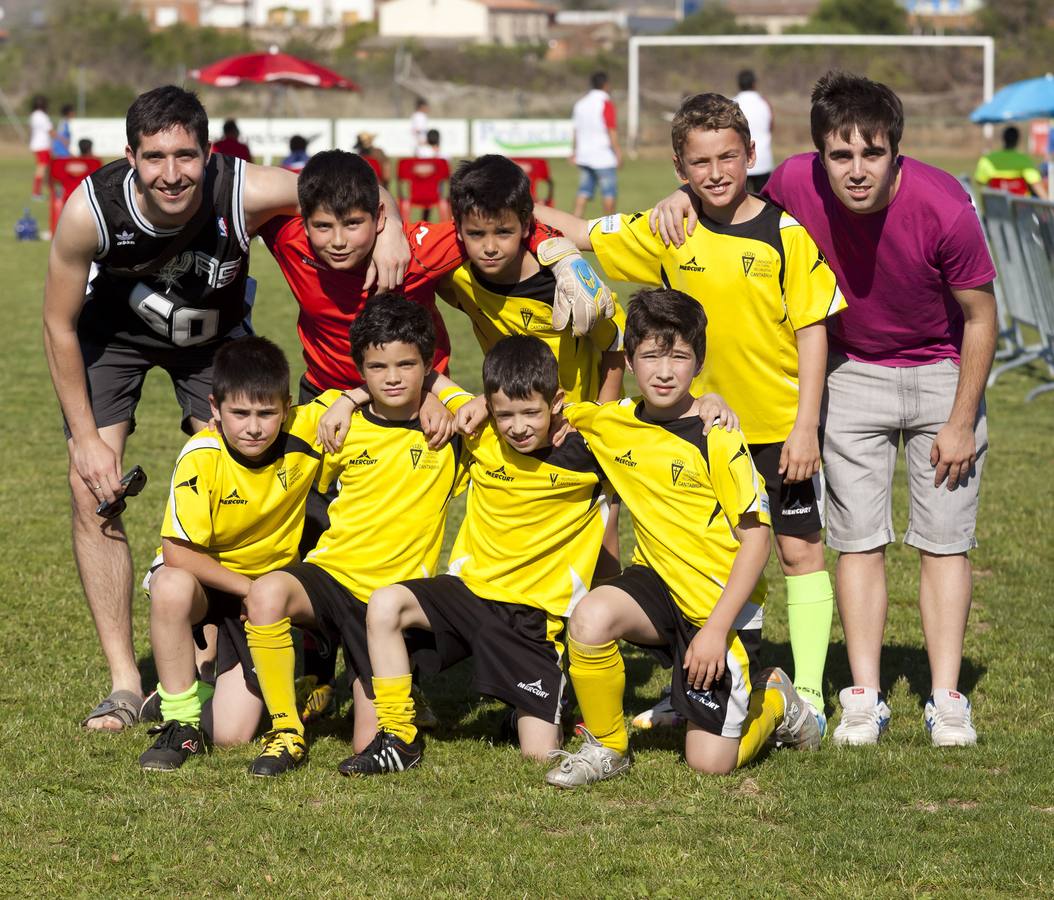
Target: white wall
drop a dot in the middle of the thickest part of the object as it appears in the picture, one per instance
(433, 18)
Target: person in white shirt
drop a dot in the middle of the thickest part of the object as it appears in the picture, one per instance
(41, 133)
(596, 151)
(419, 128)
(759, 117)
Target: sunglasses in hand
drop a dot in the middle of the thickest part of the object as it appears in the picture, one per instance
(132, 483)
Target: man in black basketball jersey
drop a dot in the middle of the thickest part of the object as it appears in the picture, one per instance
(148, 268)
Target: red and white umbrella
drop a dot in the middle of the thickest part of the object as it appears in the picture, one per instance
(272, 67)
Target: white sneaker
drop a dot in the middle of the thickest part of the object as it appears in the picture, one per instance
(864, 717)
(592, 763)
(661, 715)
(948, 719)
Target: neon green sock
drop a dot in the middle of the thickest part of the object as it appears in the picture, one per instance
(185, 707)
(810, 606)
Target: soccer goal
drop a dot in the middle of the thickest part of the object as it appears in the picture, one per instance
(985, 44)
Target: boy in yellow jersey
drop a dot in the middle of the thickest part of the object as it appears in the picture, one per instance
(767, 291)
(694, 591)
(504, 290)
(235, 511)
(386, 524)
(523, 558)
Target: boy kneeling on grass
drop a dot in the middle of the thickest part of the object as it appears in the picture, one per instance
(235, 511)
(694, 591)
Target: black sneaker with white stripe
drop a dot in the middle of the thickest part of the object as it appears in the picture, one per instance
(386, 753)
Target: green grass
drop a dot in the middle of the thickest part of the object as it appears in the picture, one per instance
(78, 817)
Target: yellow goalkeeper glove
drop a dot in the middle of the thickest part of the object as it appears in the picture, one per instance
(581, 297)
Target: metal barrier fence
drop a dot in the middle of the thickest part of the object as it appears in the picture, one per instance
(1020, 233)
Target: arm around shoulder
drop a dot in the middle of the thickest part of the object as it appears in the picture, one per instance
(573, 228)
(269, 192)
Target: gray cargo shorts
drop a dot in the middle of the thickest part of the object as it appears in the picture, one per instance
(869, 410)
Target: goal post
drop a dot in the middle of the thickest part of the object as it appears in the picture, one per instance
(984, 43)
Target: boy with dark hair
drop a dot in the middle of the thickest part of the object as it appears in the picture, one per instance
(523, 557)
(767, 293)
(695, 590)
(235, 511)
(504, 289)
(389, 477)
(911, 357)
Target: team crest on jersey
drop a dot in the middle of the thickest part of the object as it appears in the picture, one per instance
(748, 262)
(553, 478)
(289, 476)
(125, 238)
(526, 316)
(691, 266)
(170, 273)
(682, 477)
(756, 268)
(422, 457)
(221, 226)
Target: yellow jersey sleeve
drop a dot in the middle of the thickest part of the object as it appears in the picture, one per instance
(810, 288)
(627, 249)
(188, 513)
(738, 486)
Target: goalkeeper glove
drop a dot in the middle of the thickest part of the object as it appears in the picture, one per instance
(581, 297)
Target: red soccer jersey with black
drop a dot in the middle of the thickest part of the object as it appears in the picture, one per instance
(330, 300)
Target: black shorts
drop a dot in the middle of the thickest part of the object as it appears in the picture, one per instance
(115, 372)
(515, 649)
(722, 709)
(795, 508)
(338, 614)
(232, 646)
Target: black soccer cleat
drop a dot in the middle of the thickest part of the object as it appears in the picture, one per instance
(386, 753)
(175, 742)
(283, 751)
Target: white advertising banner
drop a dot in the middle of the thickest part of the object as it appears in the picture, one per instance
(394, 138)
(106, 135)
(522, 137)
(268, 139)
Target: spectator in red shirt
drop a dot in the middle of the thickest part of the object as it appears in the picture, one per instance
(230, 145)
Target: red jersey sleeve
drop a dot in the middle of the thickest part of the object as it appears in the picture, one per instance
(271, 230)
(609, 114)
(434, 251)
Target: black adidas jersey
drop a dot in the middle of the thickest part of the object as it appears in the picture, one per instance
(196, 297)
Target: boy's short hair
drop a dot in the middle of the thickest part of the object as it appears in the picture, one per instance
(746, 80)
(67, 109)
(85, 146)
(339, 181)
(251, 366)
(488, 186)
(598, 80)
(389, 317)
(164, 108)
(665, 314)
(520, 365)
(842, 102)
(708, 112)
(1011, 136)
(298, 143)
(230, 128)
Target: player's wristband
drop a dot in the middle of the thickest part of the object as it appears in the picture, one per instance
(451, 393)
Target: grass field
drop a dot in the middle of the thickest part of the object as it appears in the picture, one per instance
(77, 816)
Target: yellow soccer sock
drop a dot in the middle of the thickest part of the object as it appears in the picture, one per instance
(764, 716)
(395, 706)
(810, 606)
(185, 707)
(599, 676)
(273, 655)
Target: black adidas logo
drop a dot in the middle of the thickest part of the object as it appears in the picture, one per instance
(692, 266)
(627, 459)
(499, 473)
(232, 499)
(191, 483)
(363, 459)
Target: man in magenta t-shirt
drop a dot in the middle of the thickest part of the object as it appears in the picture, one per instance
(909, 361)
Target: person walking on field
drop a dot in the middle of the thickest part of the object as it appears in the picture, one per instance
(41, 134)
(759, 116)
(596, 149)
